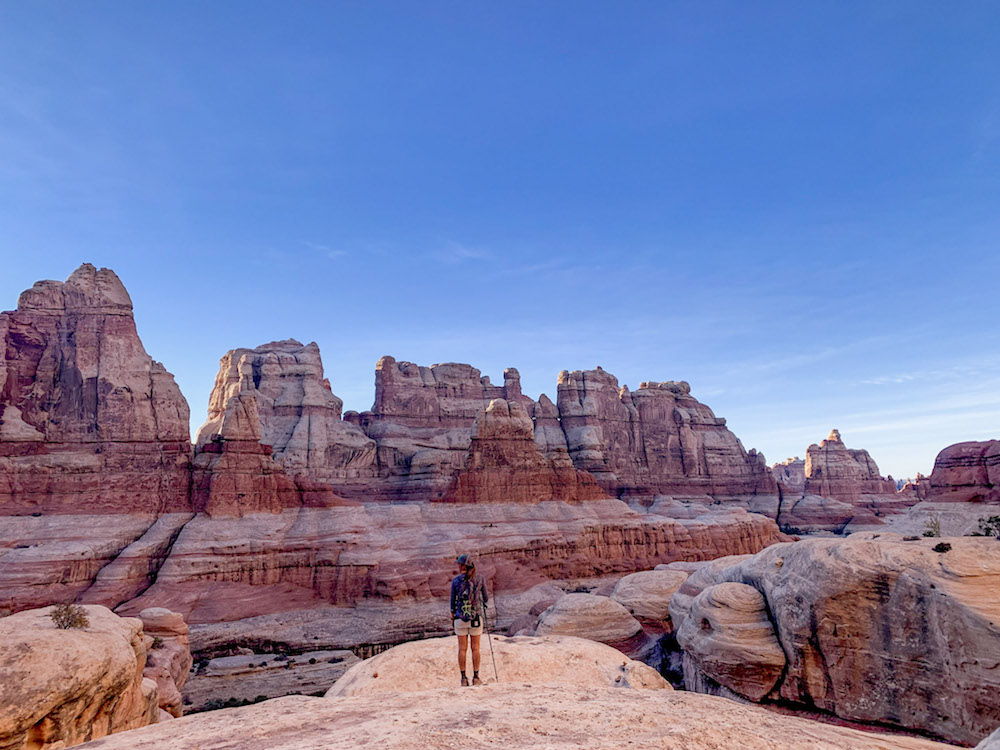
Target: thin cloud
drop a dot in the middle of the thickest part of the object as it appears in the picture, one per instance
(326, 250)
(455, 252)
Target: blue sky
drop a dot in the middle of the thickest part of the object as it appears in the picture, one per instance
(793, 206)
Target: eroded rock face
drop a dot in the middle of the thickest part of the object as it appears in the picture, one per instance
(790, 475)
(298, 415)
(233, 473)
(656, 440)
(88, 421)
(729, 638)
(504, 464)
(873, 610)
(423, 421)
(834, 470)
(64, 687)
(168, 656)
(966, 473)
(556, 660)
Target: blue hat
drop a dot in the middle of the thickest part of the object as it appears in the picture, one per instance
(465, 561)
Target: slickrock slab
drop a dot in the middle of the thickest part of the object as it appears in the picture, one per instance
(876, 629)
(556, 660)
(508, 716)
(990, 743)
(63, 687)
(647, 594)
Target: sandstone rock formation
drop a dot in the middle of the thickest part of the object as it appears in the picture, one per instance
(557, 660)
(646, 595)
(168, 656)
(874, 629)
(834, 470)
(967, 472)
(598, 618)
(519, 717)
(423, 418)
(504, 464)
(790, 475)
(64, 687)
(656, 440)
(89, 422)
(728, 637)
(835, 489)
(298, 415)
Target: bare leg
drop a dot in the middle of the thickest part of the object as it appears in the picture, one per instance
(475, 652)
(463, 643)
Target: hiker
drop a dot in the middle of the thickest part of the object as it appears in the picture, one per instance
(468, 608)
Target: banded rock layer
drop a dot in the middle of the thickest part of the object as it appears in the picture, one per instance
(88, 421)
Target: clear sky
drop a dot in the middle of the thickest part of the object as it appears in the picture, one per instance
(795, 206)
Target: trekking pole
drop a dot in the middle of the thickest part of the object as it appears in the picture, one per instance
(486, 626)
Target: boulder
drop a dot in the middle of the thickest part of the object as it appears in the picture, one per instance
(64, 687)
(557, 660)
(646, 594)
(598, 618)
(877, 629)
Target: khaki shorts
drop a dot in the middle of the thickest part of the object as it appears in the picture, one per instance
(464, 628)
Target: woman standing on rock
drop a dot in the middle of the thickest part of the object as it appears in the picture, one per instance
(468, 607)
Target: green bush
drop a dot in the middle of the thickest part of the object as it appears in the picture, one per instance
(67, 616)
(933, 527)
(989, 527)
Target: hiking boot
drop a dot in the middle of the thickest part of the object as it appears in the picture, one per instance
(476, 680)
(465, 681)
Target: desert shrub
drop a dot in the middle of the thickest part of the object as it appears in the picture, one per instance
(988, 527)
(942, 547)
(312, 661)
(933, 527)
(157, 642)
(67, 616)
